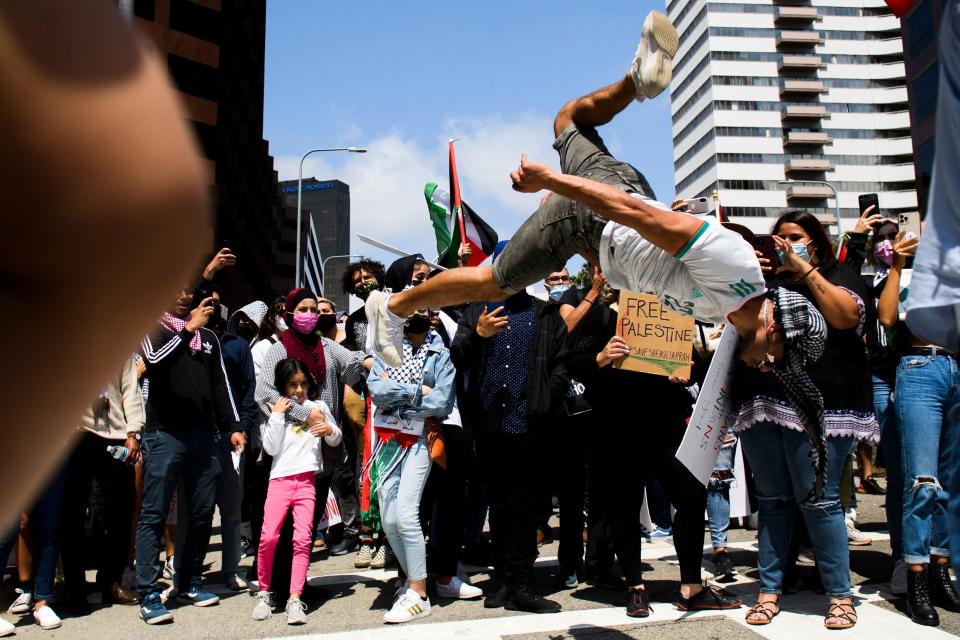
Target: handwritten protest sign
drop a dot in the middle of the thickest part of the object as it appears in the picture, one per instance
(704, 436)
(660, 340)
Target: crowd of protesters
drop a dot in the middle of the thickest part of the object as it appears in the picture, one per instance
(446, 451)
(497, 409)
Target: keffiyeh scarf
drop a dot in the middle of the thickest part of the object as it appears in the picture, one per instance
(804, 334)
(175, 324)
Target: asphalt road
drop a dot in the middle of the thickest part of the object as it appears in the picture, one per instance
(354, 601)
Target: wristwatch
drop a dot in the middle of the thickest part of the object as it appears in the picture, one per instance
(135, 434)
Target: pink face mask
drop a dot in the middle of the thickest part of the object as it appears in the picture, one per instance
(883, 251)
(305, 321)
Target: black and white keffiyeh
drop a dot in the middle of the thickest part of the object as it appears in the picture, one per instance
(804, 334)
(411, 371)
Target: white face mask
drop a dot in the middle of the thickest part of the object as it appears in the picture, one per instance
(281, 324)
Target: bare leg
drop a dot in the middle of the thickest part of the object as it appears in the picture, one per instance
(454, 286)
(597, 107)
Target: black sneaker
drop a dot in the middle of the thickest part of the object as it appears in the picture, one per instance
(523, 599)
(723, 569)
(638, 603)
(710, 598)
(495, 595)
(347, 544)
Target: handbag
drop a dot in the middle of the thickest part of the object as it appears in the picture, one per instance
(436, 443)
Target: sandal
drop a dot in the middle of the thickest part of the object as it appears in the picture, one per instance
(837, 610)
(762, 609)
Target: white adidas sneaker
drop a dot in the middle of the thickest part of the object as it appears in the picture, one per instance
(384, 331)
(409, 606)
(652, 66)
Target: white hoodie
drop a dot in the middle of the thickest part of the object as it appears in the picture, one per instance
(293, 449)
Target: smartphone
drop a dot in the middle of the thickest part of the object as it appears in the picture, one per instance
(765, 244)
(910, 223)
(867, 200)
(698, 206)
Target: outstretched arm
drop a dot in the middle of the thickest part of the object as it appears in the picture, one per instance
(668, 230)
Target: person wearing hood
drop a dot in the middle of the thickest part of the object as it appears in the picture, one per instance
(240, 332)
(330, 364)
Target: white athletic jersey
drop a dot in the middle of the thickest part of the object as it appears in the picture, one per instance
(714, 274)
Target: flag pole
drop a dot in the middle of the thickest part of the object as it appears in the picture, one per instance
(455, 195)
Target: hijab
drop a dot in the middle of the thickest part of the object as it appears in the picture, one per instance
(400, 272)
(307, 348)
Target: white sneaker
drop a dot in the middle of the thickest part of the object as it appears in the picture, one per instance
(6, 629)
(23, 604)
(169, 573)
(409, 606)
(296, 611)
(855, 537)
(384, 331)
(652, 66)
(458, 590)
(263, 610)
(46, 618)
(898, 580)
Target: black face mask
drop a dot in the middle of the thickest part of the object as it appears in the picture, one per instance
(417, 324)
(326, 321)
(247, 332)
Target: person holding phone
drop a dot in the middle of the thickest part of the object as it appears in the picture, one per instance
(772, 429)
(925, 396)
(188, 407)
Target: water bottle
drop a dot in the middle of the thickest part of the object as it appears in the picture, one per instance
(119, 453)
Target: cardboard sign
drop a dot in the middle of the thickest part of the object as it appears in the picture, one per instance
(704, 435)
(660, 340)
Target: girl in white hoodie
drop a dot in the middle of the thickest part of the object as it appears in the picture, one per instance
(297, 458)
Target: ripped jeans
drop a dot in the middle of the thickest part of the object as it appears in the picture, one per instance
(783, 470)
(925, 391)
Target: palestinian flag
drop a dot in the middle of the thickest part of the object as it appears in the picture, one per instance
(454, 220)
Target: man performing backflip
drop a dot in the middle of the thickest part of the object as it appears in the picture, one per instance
(603, 209)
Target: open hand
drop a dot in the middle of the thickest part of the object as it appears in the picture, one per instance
(904, 248)
(792, 263)
(489, 324)
(530, 177)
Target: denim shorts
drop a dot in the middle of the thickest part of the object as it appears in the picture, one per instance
(561, 227)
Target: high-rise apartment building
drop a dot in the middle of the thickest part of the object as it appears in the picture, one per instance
(807, 91)
(326, 204)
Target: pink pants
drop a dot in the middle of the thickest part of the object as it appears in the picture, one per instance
(295, 493)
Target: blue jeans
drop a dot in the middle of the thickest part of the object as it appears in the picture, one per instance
(169, 457)
(399, 495)
(925, 392)
(44, 518)
(890, 446)
(718, 497)
(229, 497)
(782, 468)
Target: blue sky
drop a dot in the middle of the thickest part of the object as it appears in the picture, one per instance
(401, 81)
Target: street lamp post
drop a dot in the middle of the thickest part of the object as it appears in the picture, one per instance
(323, 269)
(836, 198)
(300, 198)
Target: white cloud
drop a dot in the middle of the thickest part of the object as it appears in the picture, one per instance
(386, 184)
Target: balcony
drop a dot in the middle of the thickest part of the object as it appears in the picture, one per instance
(799, 38)
(810, 138)
(808, 192)
(794, 14)
(808, 165)
(802, 86)
(805, 112)
(800, 62)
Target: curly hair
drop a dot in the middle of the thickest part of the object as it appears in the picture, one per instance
(373, 267)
